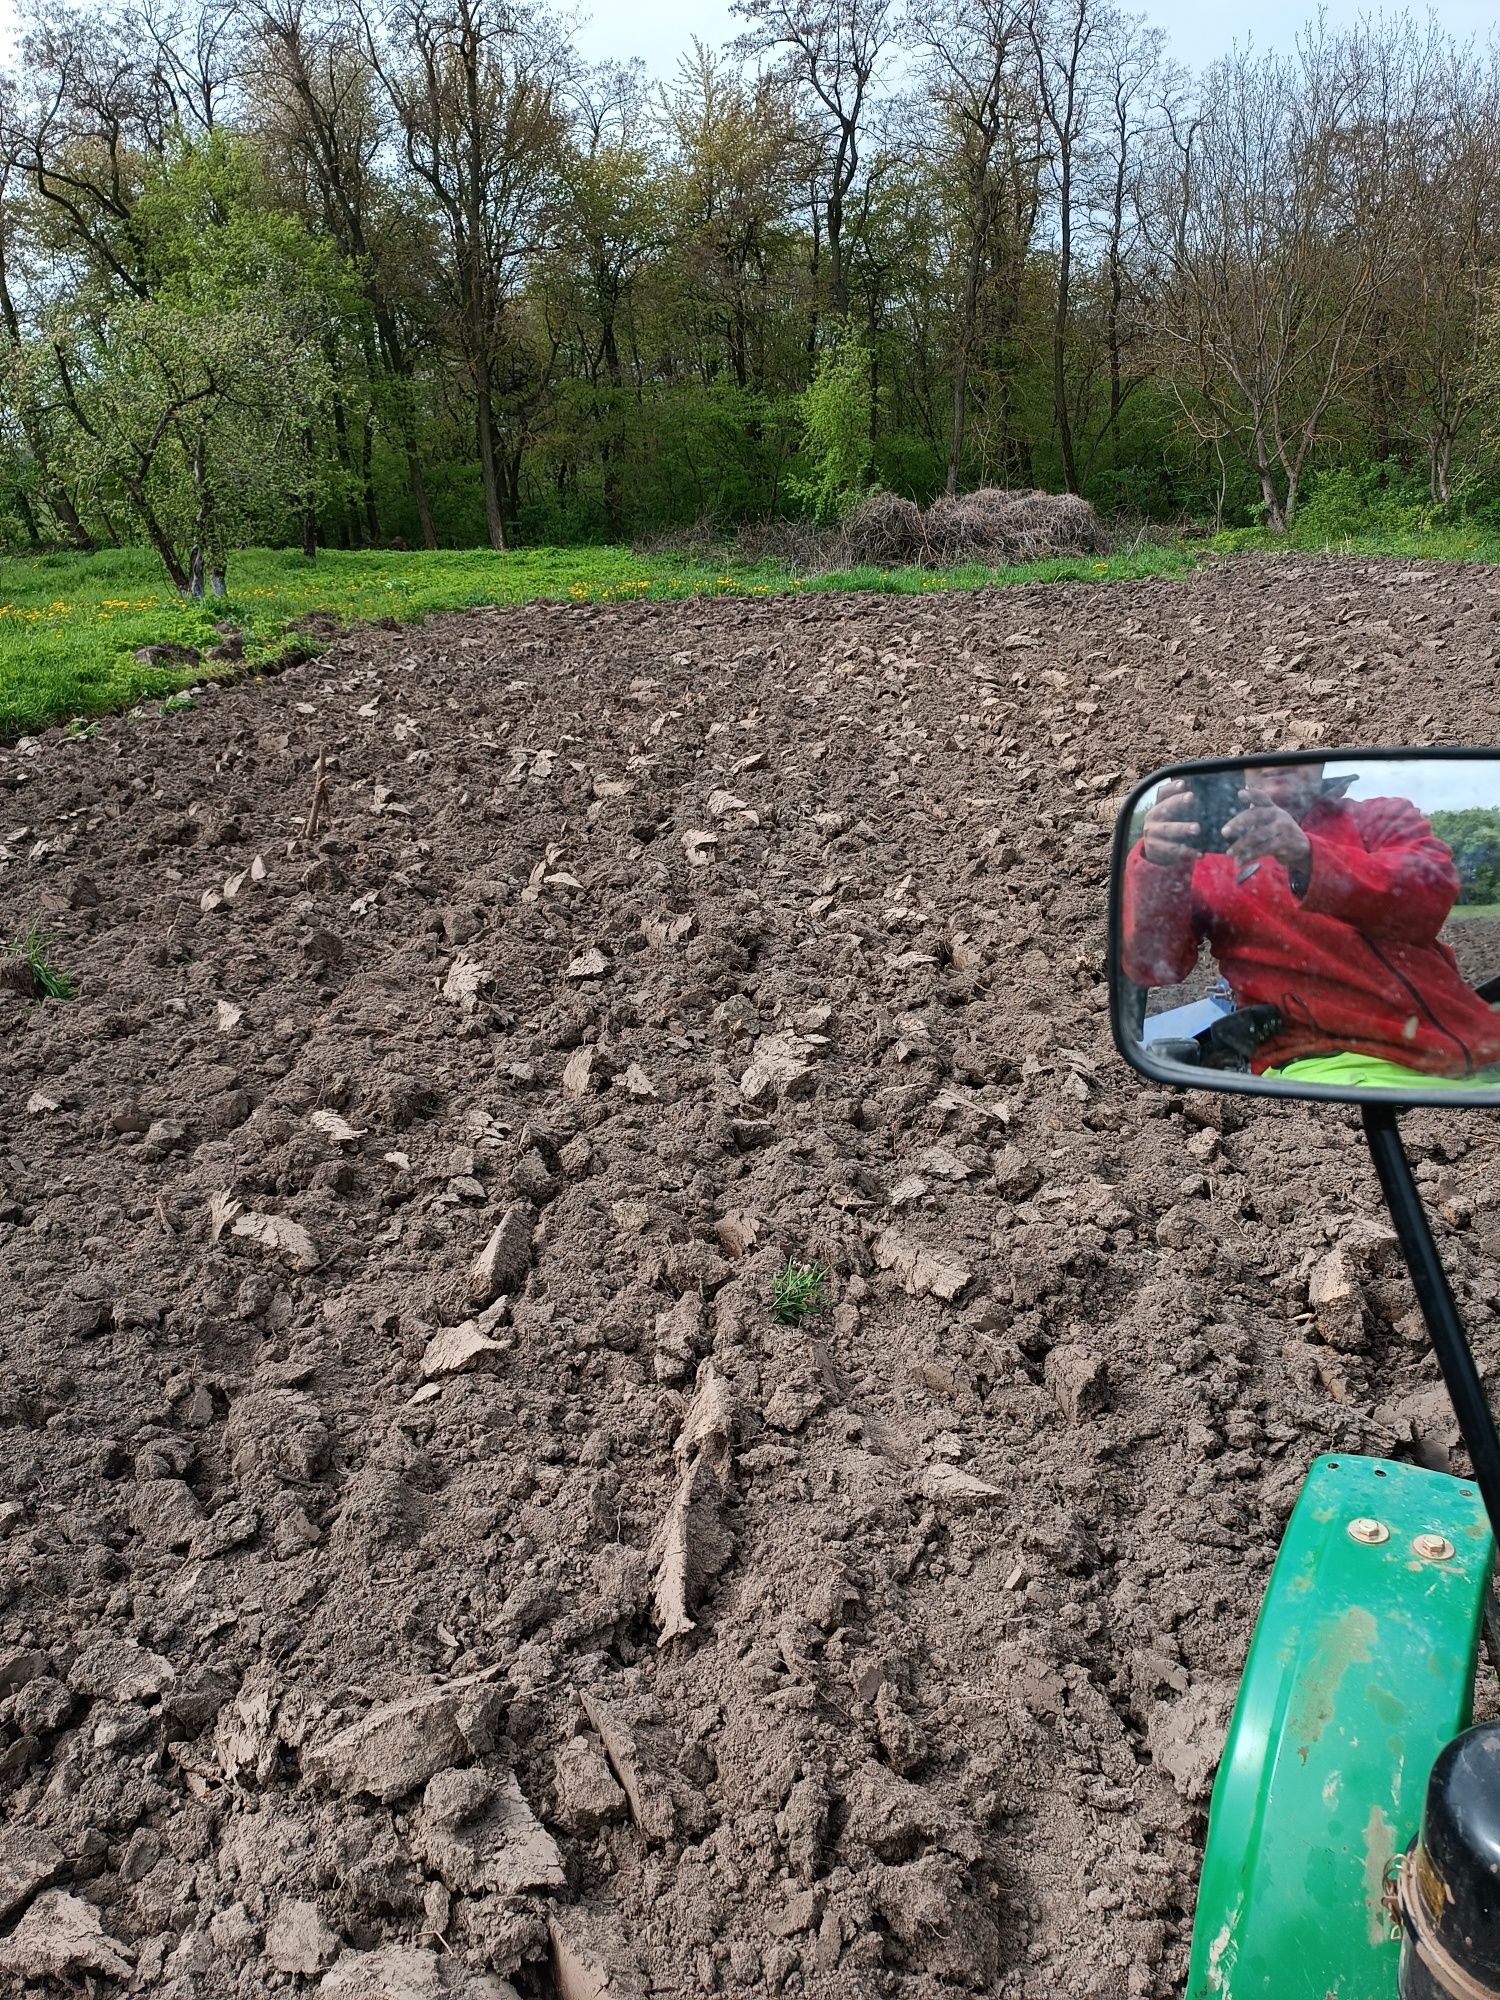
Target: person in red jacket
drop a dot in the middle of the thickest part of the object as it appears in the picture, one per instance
(1327, 909)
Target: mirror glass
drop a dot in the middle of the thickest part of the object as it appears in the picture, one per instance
(1315, 926)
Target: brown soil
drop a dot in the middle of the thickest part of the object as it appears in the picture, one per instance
(642, 949)
(1475, 943)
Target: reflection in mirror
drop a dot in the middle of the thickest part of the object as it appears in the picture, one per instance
(1330, 923)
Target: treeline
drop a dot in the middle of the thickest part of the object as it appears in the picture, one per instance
(364, 270)
(1473, 833)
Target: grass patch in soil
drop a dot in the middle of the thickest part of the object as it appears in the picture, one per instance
(35, 948)
(799, 1293)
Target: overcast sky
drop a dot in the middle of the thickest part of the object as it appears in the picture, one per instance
(658, 31)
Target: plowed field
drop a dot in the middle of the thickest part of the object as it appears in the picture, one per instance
(427, 1563)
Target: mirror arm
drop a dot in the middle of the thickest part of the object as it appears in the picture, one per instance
(1439, 1308)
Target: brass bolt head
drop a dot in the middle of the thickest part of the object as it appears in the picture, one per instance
(1363, 1529)
(1433, 1548)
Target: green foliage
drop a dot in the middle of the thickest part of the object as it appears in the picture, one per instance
(289, 317)
(1474, 836)
(835, 413)
(799, 1293)
(1347, 501)
(192, 393)
(36, 946)
(1468, 540)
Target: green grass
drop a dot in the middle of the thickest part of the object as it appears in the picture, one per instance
(36, 946)
(1462, 542)
(70, 624)
(799, 1293)
(1463, 913)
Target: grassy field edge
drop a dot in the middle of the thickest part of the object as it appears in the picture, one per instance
(70, 625)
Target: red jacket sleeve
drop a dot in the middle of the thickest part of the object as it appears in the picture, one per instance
(1401, 884)
(1160, 941)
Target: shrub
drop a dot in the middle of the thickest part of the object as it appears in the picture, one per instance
(835, 413)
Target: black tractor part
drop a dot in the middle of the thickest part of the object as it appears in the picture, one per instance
(1448, 1893)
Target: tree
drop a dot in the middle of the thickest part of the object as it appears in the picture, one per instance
(1436, 302)
(560, 301)
(830, 51)
(477, 89)
(612, 218)
(972, 55)
(27, 422)
(1134, 84)
(193, 401)
(1273, 265)
(835, 418)
(1062, 36)
(316, 97)
(734, 148)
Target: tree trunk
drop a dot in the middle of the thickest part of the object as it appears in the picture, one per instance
(155, 533)
(960, 418)
(28, 519)
(494, 519)
(341, 445)
(836, 256)
(961, 370)
(1440, 467)
(1060, 340)
(393, 354)
(62, 506)
(513, 490)
(419, 496)
(308, 510)
(1276, 519)
(814, 271)
(367, 478)
(611, 453)
(1063, 118)
(201, 522)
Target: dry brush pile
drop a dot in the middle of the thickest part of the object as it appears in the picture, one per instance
(430, 1567)
(994, 526)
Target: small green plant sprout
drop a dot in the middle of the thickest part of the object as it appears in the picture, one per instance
(36, 947)
(175, 703)
(80, 731)
(799, 1293)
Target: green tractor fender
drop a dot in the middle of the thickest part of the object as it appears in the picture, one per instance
(1360, 1670)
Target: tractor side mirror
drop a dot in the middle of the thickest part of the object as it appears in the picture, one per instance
(1317, 926)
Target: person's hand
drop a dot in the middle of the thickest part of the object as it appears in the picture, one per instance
(1265, 832)
(1169, 836)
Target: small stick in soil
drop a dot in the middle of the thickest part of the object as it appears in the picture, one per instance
(318, 811)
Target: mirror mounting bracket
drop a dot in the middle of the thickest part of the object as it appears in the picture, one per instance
(1439, 1308)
